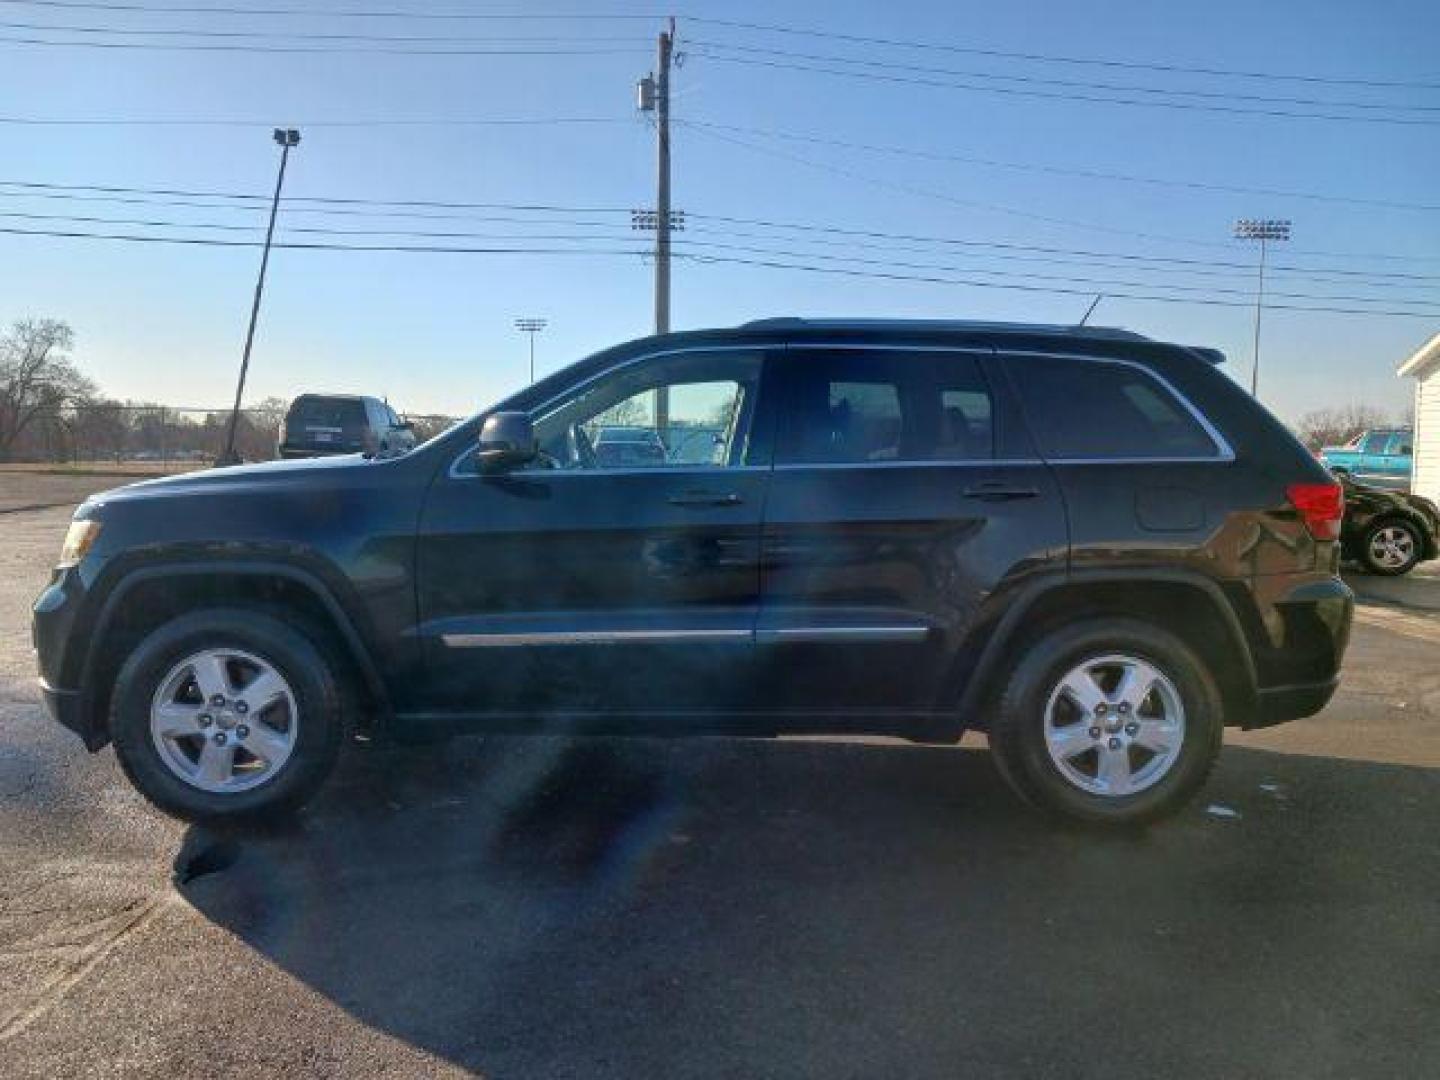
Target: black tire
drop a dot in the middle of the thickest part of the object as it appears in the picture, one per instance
(318, 701)
(1017, 734)
(1417, 547)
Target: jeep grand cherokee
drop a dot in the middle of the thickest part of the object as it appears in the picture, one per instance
(1094, 547)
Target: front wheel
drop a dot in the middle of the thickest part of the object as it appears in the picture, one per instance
(1110, 721)
(226, 714)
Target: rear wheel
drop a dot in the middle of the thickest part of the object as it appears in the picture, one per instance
(227, 714)
(1391, 547)
(1110, 721)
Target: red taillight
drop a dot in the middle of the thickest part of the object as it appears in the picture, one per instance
(1321, 507)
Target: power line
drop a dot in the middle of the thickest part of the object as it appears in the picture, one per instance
(782, 261)
(768, 133)
(1090, 174)
(939, 280)
(305, 35)
(731, 24)
(941, 196)
(363, 49)
(1058, 95)
(1126, 88)
(458, 121)
(331, 13)
(1051, 58)
(325, 200)
(423, 209)
(1097, 261)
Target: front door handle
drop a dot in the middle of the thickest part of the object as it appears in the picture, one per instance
(996, 491)
(705, 498)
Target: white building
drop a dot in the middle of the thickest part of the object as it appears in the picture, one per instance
(1424, 367)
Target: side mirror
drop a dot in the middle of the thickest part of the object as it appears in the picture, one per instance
(507, 440)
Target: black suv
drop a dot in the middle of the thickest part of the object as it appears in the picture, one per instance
(1092, 546)
(320, 424)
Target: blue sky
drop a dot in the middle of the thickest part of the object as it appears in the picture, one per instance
(434, 333)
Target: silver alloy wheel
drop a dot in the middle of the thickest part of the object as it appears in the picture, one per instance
(224, 720)
(1392, 546)
(1114, 725)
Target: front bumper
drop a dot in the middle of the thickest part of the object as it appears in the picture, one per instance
(69, 709)
(1280, 704)
(58, 631)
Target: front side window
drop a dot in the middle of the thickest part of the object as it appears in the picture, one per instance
(1099, 410)
(685, 411)
(876, 407)
(1377, 442)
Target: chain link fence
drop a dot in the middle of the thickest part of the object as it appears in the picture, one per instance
(160, 436)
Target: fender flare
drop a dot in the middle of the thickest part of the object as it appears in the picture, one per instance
(993, 655)
(358, 652)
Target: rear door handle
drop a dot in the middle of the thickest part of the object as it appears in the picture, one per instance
(705, 498)
(995, 491)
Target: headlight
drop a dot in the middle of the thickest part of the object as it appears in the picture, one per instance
(79, 539)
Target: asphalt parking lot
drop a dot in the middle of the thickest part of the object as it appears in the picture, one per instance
(631, 908)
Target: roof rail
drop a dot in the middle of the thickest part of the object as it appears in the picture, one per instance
(796, 322)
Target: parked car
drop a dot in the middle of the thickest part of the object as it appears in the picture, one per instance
(1388, 532)
(322, 424)
(1093, 546)
(1381, 457)
(617, 447)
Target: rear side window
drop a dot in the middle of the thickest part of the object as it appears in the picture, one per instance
(1098, 410)
(876, 407)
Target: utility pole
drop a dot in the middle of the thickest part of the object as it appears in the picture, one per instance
(1264, 231)
(531, 327)
(655, 96)
(286, 138)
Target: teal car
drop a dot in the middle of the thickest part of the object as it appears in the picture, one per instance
(1382, 457)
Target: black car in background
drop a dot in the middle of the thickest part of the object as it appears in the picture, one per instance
(321, 424)
(1388, 532)
(1094, 547)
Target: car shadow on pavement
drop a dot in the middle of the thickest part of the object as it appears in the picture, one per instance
(629, 908)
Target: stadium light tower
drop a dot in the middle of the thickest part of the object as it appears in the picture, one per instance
(1263, 231)
(531, 327)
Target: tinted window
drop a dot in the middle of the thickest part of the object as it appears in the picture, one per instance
(311, 411)
(855, 408)
(1375, 442)
(1092, 409)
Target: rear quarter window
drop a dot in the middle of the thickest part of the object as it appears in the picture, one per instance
(1103, 410)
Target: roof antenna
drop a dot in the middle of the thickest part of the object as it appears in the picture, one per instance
(1091, 309)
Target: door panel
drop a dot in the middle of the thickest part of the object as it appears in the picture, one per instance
(586, 584)
(589, 591)
(875, 575)
(876, 568)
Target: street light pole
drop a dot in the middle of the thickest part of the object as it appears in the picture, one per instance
(531, 327)
(1263, 231)
(286, 138)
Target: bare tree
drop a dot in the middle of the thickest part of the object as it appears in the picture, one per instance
(36, 377)
(631, 412)
(1335, 427)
